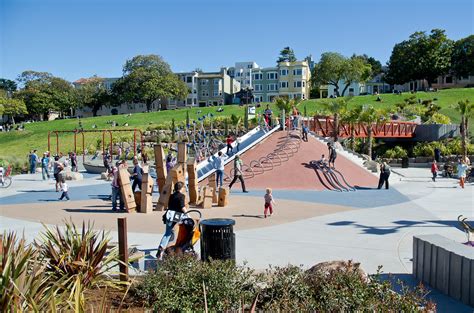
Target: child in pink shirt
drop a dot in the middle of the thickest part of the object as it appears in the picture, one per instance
(269, 202)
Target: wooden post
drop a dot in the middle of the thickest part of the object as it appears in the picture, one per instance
(182, 156)
(213, 185)
(208, 195)
(192, 180)
(160, 165)
(126, 189)
(165, 193)
(123, 248)
(146, 205)
(223, 197)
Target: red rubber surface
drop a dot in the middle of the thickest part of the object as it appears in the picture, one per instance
(295, 173)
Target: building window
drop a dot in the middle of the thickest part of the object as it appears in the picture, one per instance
(247, 74)
(303, 96)
(303, 84)
(216, 82)
(204, 82)
(297, 84)
(297, 72)
(272, 87)
(283, 72)
(189, 101)
(258, 87)
(283, 84)
(449, 79)
(249, 65)
(216, 93)
(205, 93)
(258, 76)
(189, 79)
(272, 75)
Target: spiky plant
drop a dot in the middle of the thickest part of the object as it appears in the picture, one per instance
(24, 283)
(79, 259)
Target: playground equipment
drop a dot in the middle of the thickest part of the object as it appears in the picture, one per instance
(104, 132)
(324, 127)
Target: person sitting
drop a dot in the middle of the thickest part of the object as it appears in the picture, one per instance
(323, 161)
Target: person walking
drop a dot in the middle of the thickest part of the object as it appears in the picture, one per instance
(73, 162)
(218, 163)
(437, 154)
(238, 174)
(305, 132)
(268, 116)
(116, 192)
(44, 166)
(137, 175)
(269, 202)
(176, 203)
(64, 189)
(33, 162)
(332, 155)
(434, 170)
(57, 168)
(229, 142)
(384, 175)
(462, 169)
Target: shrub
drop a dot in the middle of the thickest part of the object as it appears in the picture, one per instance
(78, 259)
(438, 118)
(395, 153)
(177, 285)
(423, 149)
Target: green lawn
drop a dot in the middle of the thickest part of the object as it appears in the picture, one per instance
(18, 143)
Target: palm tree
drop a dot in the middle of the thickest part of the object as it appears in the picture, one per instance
(352, 117)
(369, 116)
(285, 103)
(235, 121)
(466, 110)
(336, 108)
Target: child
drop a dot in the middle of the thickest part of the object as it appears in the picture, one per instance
(64, 189)
(268, 202)
(323, 161)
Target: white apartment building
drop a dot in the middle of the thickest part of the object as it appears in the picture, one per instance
(242, 72)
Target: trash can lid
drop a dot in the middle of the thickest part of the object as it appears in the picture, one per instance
(218, 222)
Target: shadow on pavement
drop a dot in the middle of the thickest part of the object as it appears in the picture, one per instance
(247, 215)
(108, 211)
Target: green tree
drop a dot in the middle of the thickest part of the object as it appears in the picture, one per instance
(422, 56)
(8, 85)
(466, 109)
(334, 67)
(335, 108)
(374, 64)
(43, 92)
(12, 107)
(146, 79)
(93, 94)
(370, 116)
(462, 58)
(286, 55)
(352, 117)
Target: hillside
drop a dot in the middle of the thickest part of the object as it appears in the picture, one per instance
(16, 144)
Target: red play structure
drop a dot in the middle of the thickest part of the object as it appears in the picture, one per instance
(324, 127)
(105, 132)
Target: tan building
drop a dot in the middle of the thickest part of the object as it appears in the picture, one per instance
(294, 79)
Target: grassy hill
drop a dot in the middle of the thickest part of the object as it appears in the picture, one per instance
(16, 144)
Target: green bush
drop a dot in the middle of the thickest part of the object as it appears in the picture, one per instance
(18, 165)
(395, 153)
(438, 118)
(177, 285)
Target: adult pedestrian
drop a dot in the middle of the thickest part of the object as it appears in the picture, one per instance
(434, 170)
(305, 132)
(116, 192)
(238, 174)
(332, 155)
(33, 162)
(170, 161)
(57, 169)
(73, 162)
(268, 116)
(462, 169)
(229, 142)
(437, 154)
(44, 166)
(137, 175)
(176, 203)
(218, 163)
(384, 175)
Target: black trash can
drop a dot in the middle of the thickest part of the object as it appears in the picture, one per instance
(405, 162)
(217, 239)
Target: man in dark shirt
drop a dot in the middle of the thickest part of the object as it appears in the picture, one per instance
(175, 203)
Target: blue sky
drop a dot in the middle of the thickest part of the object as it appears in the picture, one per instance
(74, 39)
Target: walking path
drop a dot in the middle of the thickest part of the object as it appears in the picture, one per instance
(374, 227)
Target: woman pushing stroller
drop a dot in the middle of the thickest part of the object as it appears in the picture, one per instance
(176, 204)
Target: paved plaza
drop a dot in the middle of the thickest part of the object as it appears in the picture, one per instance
(370, 226)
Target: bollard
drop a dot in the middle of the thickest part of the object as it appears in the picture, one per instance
(123, 248)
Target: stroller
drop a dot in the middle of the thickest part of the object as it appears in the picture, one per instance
(188, 235)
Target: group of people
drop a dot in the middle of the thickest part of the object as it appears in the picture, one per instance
(136, 176)
(462, 169)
